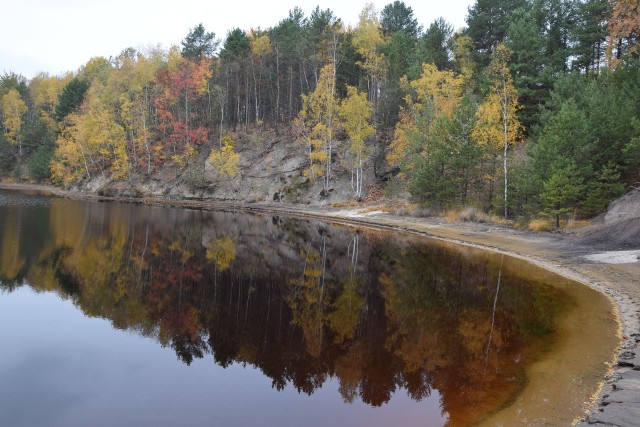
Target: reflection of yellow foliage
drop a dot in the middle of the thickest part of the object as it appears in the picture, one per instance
(222, 252)
(185, 251)
(305, 298)
(248, 353)
(413, 341)
(343, 320)
(175, 245)
(350, 371)
(11, 262)
(475, 329)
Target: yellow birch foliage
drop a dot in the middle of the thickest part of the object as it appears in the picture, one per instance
(463, 59)
(440, 89)
(367, 39)
(225, 160)
(355, 112)
(497, 122)
(90, 142)
(13, 108)
(315, 121)
(71, 161)
(44, 91)
(489, 128)
(107, 138)
(497, 125)
(436, 93)
(260, 45)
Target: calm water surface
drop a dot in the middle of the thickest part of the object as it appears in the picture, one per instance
(118, 314)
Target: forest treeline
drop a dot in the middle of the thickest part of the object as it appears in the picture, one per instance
(531, 109)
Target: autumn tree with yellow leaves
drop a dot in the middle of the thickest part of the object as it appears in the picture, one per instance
(497, 125)
(367, 39)
(316, 123)
(13, 108)
(225, 160)
(435, 94)
(355, 113)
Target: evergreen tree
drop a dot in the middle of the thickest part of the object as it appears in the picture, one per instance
(487, 24)
(449, 167)
(528, 64)
(433, 47)
(71, 97)
(590, 35)
(603, 189)
(562, 190)
(199, 43)
(397, 16)
(15, 81)
(567, 135)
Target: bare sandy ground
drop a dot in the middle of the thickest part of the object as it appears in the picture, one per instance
(601, 266)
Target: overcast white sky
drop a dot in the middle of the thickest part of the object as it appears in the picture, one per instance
(56, 36)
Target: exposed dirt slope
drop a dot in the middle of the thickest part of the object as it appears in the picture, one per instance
(618, 228)
(271, 168)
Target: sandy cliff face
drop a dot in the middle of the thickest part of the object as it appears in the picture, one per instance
(271, 169)
(625, 208)
(619, 227)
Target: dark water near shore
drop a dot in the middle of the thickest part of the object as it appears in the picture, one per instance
(119, 314)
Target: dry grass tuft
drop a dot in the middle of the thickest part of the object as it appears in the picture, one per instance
(496, 219)
(468, 214)
(345, 205)
(540, 224)
(576, 223)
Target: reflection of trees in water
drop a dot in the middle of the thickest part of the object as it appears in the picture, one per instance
(303, 303)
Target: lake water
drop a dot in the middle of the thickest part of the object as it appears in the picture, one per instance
(122, 314)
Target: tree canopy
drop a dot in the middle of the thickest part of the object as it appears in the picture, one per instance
(500, 114)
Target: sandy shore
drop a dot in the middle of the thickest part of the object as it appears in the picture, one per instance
(614, 274)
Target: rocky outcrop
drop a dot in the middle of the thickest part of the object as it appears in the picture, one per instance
(619, 227)
(270, 170)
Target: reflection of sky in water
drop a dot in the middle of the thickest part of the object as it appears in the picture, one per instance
(61, 368)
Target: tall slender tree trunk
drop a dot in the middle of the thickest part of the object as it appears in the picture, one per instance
(290, 112)
(506, 144)
(186, 114)
(256, 92)
(505, 118)
(277, 88)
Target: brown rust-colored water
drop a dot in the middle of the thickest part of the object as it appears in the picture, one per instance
(121, 314)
